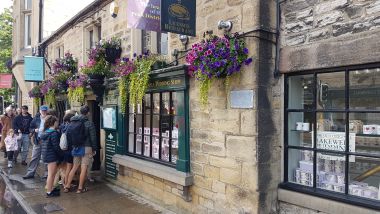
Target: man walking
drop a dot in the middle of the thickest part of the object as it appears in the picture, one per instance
(37, 126)
(21, 125)
(89, 145)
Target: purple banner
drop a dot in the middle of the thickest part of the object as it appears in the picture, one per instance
(144, 14)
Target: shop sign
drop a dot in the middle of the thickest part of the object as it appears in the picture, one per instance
(34, 69)
(178, 16)
(335, 141)
(162, 84)
(6, 80)
(144, 14)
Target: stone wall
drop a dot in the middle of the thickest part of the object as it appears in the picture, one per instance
(320, 33)
(225, 143)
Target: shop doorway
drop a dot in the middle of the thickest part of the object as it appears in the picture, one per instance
(95, 115)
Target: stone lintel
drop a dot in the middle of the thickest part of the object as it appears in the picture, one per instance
(353, 49)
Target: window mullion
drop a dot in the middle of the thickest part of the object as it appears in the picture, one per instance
(160, 129)
(347, 88)
(143, 126)
(151, 124)
(315, 132)
(170, 125)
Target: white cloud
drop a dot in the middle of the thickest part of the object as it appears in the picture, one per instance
(5, 4)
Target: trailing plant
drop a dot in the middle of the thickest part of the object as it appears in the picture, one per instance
(36, 94)
(123, 68)
(50, 98)
(138, 80)
(96, 64)
(215, 58)
(77, 88)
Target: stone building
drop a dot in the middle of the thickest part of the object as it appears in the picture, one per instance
(330, 60)
(236, 159)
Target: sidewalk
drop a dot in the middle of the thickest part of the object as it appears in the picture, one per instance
(101, 197)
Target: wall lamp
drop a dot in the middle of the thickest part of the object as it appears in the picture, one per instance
(184, 39)
(226, 25)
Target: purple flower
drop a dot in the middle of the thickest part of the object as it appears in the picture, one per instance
(245, 50)
(248, 61)
(217, 64)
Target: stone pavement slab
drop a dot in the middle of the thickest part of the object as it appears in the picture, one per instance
(101, 198)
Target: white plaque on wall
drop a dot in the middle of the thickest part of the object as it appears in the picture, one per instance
(242, 99)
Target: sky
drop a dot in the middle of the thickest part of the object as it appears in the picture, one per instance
(5, 4)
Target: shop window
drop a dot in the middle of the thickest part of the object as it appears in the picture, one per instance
(332, 136)
(27, 30)
(154, 41)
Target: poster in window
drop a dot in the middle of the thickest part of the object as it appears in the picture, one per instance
(109, 118)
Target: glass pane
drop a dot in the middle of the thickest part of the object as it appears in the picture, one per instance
(139, 126)
(131, 108)
(165, 103)
(330, 172)
(131, 142)
(155, 147)
(300, 92)
(139, 108)
(156, 103)
(300, 167)
(364, 177)
(147, 130)
(174, 150)
(131, 123)
(146, 145)
(331, 90)
(147, 104)
(139, 139)
(365, 89)
(156, 127)
(300, 129)
(331, 131)
(366, 128)
(165, 149)
(165, 125)
(178, 99)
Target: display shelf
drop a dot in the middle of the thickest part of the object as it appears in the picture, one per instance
(300, 131)
(367, 135)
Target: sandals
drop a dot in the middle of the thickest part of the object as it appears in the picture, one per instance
(69, 189)
(79, 191)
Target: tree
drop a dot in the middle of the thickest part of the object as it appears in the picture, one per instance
(6, 26)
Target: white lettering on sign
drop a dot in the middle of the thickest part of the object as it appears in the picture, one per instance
(335, 141)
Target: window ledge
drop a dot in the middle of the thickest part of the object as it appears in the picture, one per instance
(158, 170)
(319, 204)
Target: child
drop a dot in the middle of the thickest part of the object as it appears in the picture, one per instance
(52, 153)
(11, 145)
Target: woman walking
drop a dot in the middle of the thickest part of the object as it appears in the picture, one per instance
(67, 157)
(52, 153)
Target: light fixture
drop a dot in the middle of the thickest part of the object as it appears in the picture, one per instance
(184, 39)
(226, 25)
(114, 9)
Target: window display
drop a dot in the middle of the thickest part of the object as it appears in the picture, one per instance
(333, 132)
(157, 125)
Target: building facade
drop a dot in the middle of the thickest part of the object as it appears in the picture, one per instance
(313, 76)
(330, 61)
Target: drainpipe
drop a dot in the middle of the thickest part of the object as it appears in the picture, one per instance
(276, 72)
(40, 10)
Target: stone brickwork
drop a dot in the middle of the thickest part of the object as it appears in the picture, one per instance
(286, 208)
(311, 27)
(225, 144)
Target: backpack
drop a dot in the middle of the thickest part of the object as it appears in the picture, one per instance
(63, 142)
(76, 133)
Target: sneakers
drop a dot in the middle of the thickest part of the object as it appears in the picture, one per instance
(10, 165)
(28, 177)
(54, 193)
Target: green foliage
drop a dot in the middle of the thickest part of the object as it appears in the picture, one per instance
(36, 101)
(100, 67)
(50, 98)
(76, 94)
(6, 25)
(138, 82)
(123, 93)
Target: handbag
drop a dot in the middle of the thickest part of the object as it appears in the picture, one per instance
(63, 142)
(78, 151)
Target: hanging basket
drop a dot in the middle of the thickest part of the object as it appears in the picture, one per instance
(96, 82)
(112, 54)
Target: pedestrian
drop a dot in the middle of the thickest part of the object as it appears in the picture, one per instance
(21, 124)
(82, 136)
(6, 121)
(11, 145)
(52, 153)
(67, 164)
(18, 112)
(37, 126)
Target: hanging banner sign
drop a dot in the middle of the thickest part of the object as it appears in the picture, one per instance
(34, 69)
(178, 16)
(6, 80)
(144, 14)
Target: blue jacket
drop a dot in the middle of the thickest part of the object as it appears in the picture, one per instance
(35, 124)
(51, 152)
(22, 123)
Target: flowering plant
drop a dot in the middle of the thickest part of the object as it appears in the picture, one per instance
(114, 42)
(96, 64)
(65, 64)
(77, 88)
(36, 94)
(48, 89)
(216, 57)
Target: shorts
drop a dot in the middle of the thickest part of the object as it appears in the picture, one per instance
(67, 157)
(86, 159)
